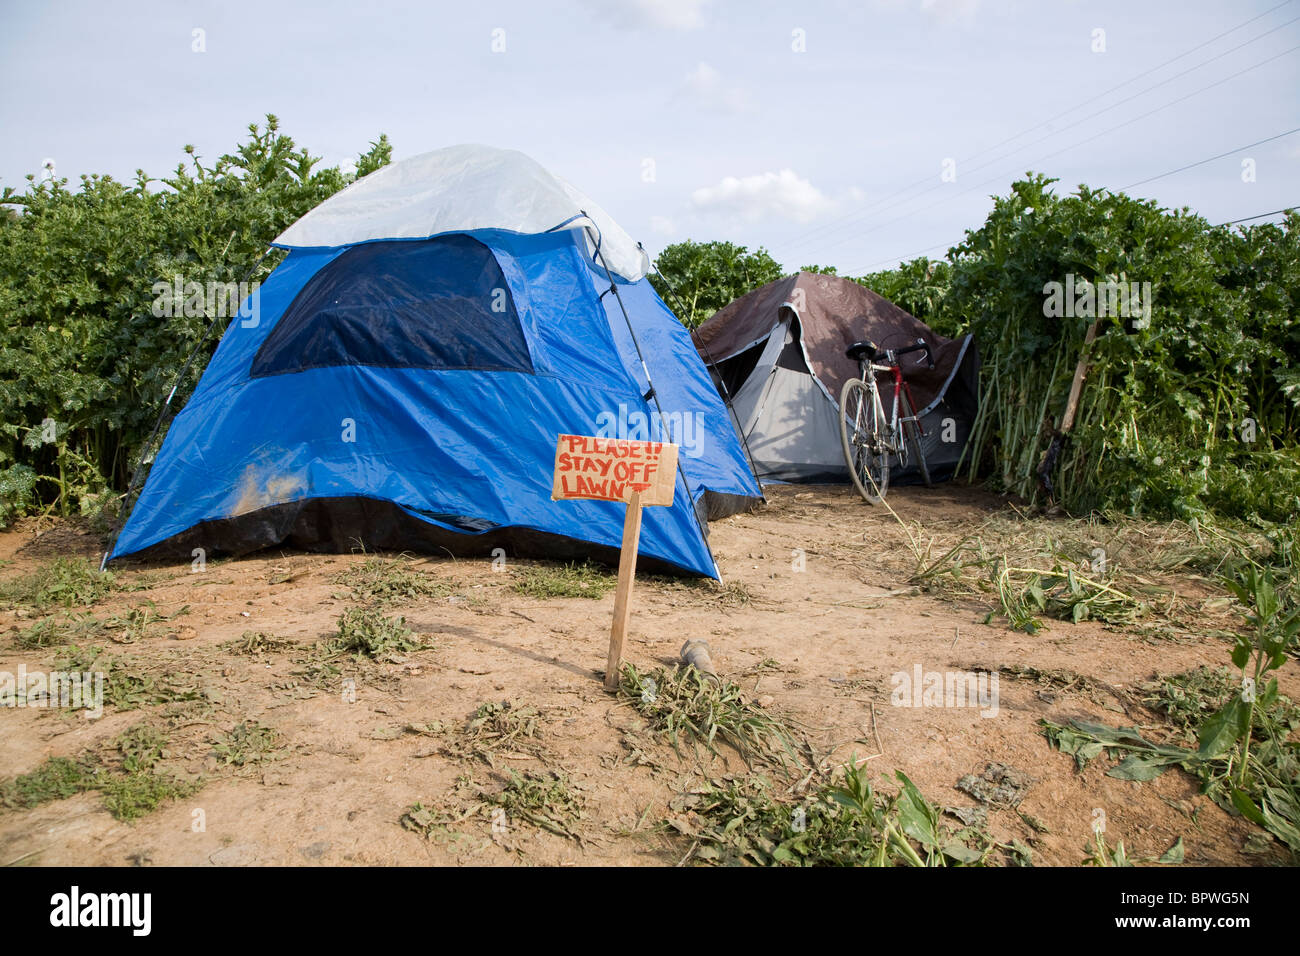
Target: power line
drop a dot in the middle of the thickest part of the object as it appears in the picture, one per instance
(1089, 139)
(948, 245)
(1152, 87)
(1233, 222)
(851, 218)
(1139, 76)
(1143, 182)
(862, 213)
(907, 258)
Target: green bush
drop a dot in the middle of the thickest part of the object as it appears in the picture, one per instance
(1195, 413)
(697, 279)
(84, 364)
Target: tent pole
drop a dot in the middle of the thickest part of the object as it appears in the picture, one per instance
(726, 392)
(663, 419)
(144, 449)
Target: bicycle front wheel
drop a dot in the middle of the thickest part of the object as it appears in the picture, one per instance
(863, 434)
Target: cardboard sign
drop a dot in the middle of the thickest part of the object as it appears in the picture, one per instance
(608, 469)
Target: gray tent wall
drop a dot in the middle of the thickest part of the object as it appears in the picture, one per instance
(790, 421)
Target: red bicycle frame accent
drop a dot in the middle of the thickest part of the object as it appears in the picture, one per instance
(900, 386)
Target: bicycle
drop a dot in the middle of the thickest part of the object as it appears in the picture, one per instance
(868, 435)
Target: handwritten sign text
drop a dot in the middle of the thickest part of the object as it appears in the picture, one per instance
(609, 469)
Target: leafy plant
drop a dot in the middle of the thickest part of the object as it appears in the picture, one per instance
(1185, 413)
(919, 286)
(1267, 790)
(141, 747)
(140, 788)
(699, 278)
(384, 581)
(685, 705)
(585, 580)
(128, 793)
(58, 630)
(1063, 592)
(131, 796)
(1031, 578)
(848, 823)
(494, 728)
(367, 632)
(257, 643)
(435, 823)
(56, 779)
(128, 684)
(1242, 750)
(85, 363)
(1100, 854)
(544, 799)
(1186, 699)
(138, 622)
(64, 582)
(247, 743)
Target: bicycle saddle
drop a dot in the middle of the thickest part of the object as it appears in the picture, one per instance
(860, 350)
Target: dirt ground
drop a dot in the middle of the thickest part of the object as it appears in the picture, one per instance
(820, 640)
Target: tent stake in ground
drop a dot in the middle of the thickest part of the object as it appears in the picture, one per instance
(635, 472)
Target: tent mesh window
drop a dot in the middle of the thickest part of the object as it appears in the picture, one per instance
(433, 304)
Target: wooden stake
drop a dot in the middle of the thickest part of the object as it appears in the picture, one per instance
(639, 474)
(623, 598)
(1080, 373)
(1071, 407)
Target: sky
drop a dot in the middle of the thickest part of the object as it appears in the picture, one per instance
(848, 134)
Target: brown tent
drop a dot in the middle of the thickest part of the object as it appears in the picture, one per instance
(779, 352)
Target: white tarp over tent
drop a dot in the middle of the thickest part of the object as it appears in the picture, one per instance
(462, 189)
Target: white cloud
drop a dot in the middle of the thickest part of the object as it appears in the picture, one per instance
(662, 14)
(662, 226)
(780, 195)
(704, 88)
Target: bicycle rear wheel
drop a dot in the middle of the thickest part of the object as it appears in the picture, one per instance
(863, 436)
(913, 429)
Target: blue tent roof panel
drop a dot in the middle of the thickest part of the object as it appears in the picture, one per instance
(410, 392)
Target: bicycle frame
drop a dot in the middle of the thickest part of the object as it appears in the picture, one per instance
(868, 371)
(874, 443)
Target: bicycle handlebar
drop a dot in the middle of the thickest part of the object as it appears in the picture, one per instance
(920, 346)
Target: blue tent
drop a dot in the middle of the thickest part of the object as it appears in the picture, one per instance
(404, 388)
